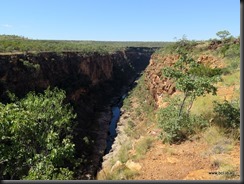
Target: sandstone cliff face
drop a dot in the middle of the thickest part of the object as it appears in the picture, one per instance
(91, 83)
(160, 86)
(157, 84)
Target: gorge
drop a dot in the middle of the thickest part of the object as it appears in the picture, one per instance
(94, 85)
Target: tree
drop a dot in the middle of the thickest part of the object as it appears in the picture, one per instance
(192, 78)
(223, 34)
(36, 137)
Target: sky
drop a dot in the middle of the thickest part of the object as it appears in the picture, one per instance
(119, 20)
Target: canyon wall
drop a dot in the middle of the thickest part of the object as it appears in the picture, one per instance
(92, 83)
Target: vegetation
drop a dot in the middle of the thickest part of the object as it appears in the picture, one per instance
(223, 34)
(36, 137)
(122, 173)
(143, 146)
(178, 128)
(229, 114)
(12, 43)
(193, 79)
(196, 111)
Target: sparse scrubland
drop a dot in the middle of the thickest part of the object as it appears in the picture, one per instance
(16, 44)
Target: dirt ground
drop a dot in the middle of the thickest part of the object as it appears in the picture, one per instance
(191, 160)
(187, 161)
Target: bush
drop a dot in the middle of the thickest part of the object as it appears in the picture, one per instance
(233, 50)
(178, 128)
(227, 114)
(36, 137)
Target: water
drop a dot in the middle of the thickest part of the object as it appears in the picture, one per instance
(112, 128)
(115, 118)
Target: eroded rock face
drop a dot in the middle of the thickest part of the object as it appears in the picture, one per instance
(157, 84)
(91, 83)
(160, 86)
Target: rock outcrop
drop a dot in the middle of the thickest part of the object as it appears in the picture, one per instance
(157, 84)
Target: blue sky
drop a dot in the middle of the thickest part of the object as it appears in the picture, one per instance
(119, 20)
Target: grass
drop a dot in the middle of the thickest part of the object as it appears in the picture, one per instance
(231, 79)
(142, 146)
(204, 105)
(224, 169)
(121, 173)
(169, 150)
(229, 172)
(123, 154)
(218, 142)
(143, 115)
(213, 134)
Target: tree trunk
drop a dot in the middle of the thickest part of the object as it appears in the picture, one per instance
(182, 105)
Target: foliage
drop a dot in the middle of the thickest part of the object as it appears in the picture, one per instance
(223, 49)
(12, 43)
(182, 45)
(142, 146)
(229, 44)
(178, 128)
(36, 137)
(223, 34)
(233, 51)
(228, 114)
(192, 78)
(31, 65)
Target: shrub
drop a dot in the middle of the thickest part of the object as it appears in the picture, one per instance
(36, 137)
(178, 128)
(227, 114)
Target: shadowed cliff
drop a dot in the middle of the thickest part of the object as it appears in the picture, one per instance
(92, 83)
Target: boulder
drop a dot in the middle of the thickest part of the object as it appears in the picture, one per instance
(116, 165)
(133, 166)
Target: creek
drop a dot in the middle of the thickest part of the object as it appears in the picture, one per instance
(115, 117)
(112, 128)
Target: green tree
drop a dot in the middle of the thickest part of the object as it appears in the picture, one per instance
(225, 38)
(36, 137)
(192, 78)
(223, 34)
